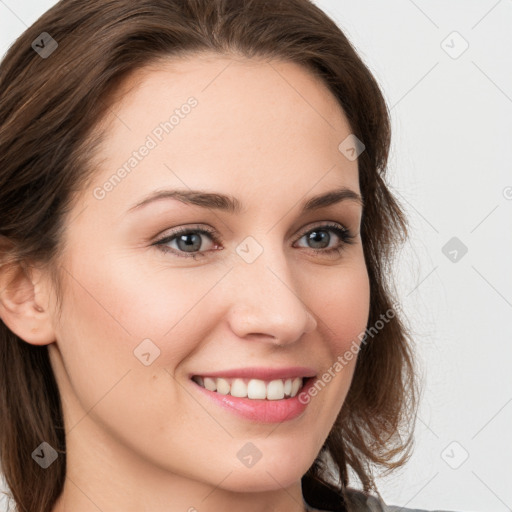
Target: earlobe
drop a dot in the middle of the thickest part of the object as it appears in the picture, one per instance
(19, 309)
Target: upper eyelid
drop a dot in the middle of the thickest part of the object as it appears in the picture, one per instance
(323, 224)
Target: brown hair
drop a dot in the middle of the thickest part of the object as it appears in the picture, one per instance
(49, 109)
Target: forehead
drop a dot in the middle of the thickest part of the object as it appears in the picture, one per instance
(255, 124)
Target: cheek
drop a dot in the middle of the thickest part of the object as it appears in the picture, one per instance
(341, 302)
(342, 307)
(114, 306)
(106, 315)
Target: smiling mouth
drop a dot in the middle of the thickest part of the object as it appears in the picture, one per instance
(254, 389)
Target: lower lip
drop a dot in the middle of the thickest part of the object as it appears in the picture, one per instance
(262, 411)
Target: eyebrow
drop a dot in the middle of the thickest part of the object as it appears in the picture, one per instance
(232, 205)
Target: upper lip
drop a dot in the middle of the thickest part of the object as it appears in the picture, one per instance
(263, 373)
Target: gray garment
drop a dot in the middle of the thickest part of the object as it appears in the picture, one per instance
(324, 498)
(363, 503)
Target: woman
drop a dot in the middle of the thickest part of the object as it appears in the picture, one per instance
(196, 239)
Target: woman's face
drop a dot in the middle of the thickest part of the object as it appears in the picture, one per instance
(245, 290)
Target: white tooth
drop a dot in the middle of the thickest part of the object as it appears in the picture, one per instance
(296, 385)
(256, 389)
(288, 387)
(209, 384)
(223, 386)
(199, 380)
(275, 390)
(239, 388)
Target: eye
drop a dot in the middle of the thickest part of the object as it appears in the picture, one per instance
(320, 239)
(186, 241)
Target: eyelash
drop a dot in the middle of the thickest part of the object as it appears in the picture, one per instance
(344, 234)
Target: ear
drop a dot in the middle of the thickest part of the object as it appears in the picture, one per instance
(23, 303)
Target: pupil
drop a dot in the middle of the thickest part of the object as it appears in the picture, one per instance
(191, 244)
(319, 237)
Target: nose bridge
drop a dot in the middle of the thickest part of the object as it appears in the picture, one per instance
(266, 299)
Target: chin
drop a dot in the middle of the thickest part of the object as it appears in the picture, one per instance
(262, 480)
(273, 472)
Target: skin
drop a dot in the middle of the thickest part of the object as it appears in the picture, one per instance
(143, 437)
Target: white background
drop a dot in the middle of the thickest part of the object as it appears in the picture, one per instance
(450, 167)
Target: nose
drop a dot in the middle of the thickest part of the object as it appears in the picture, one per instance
(266, 302)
